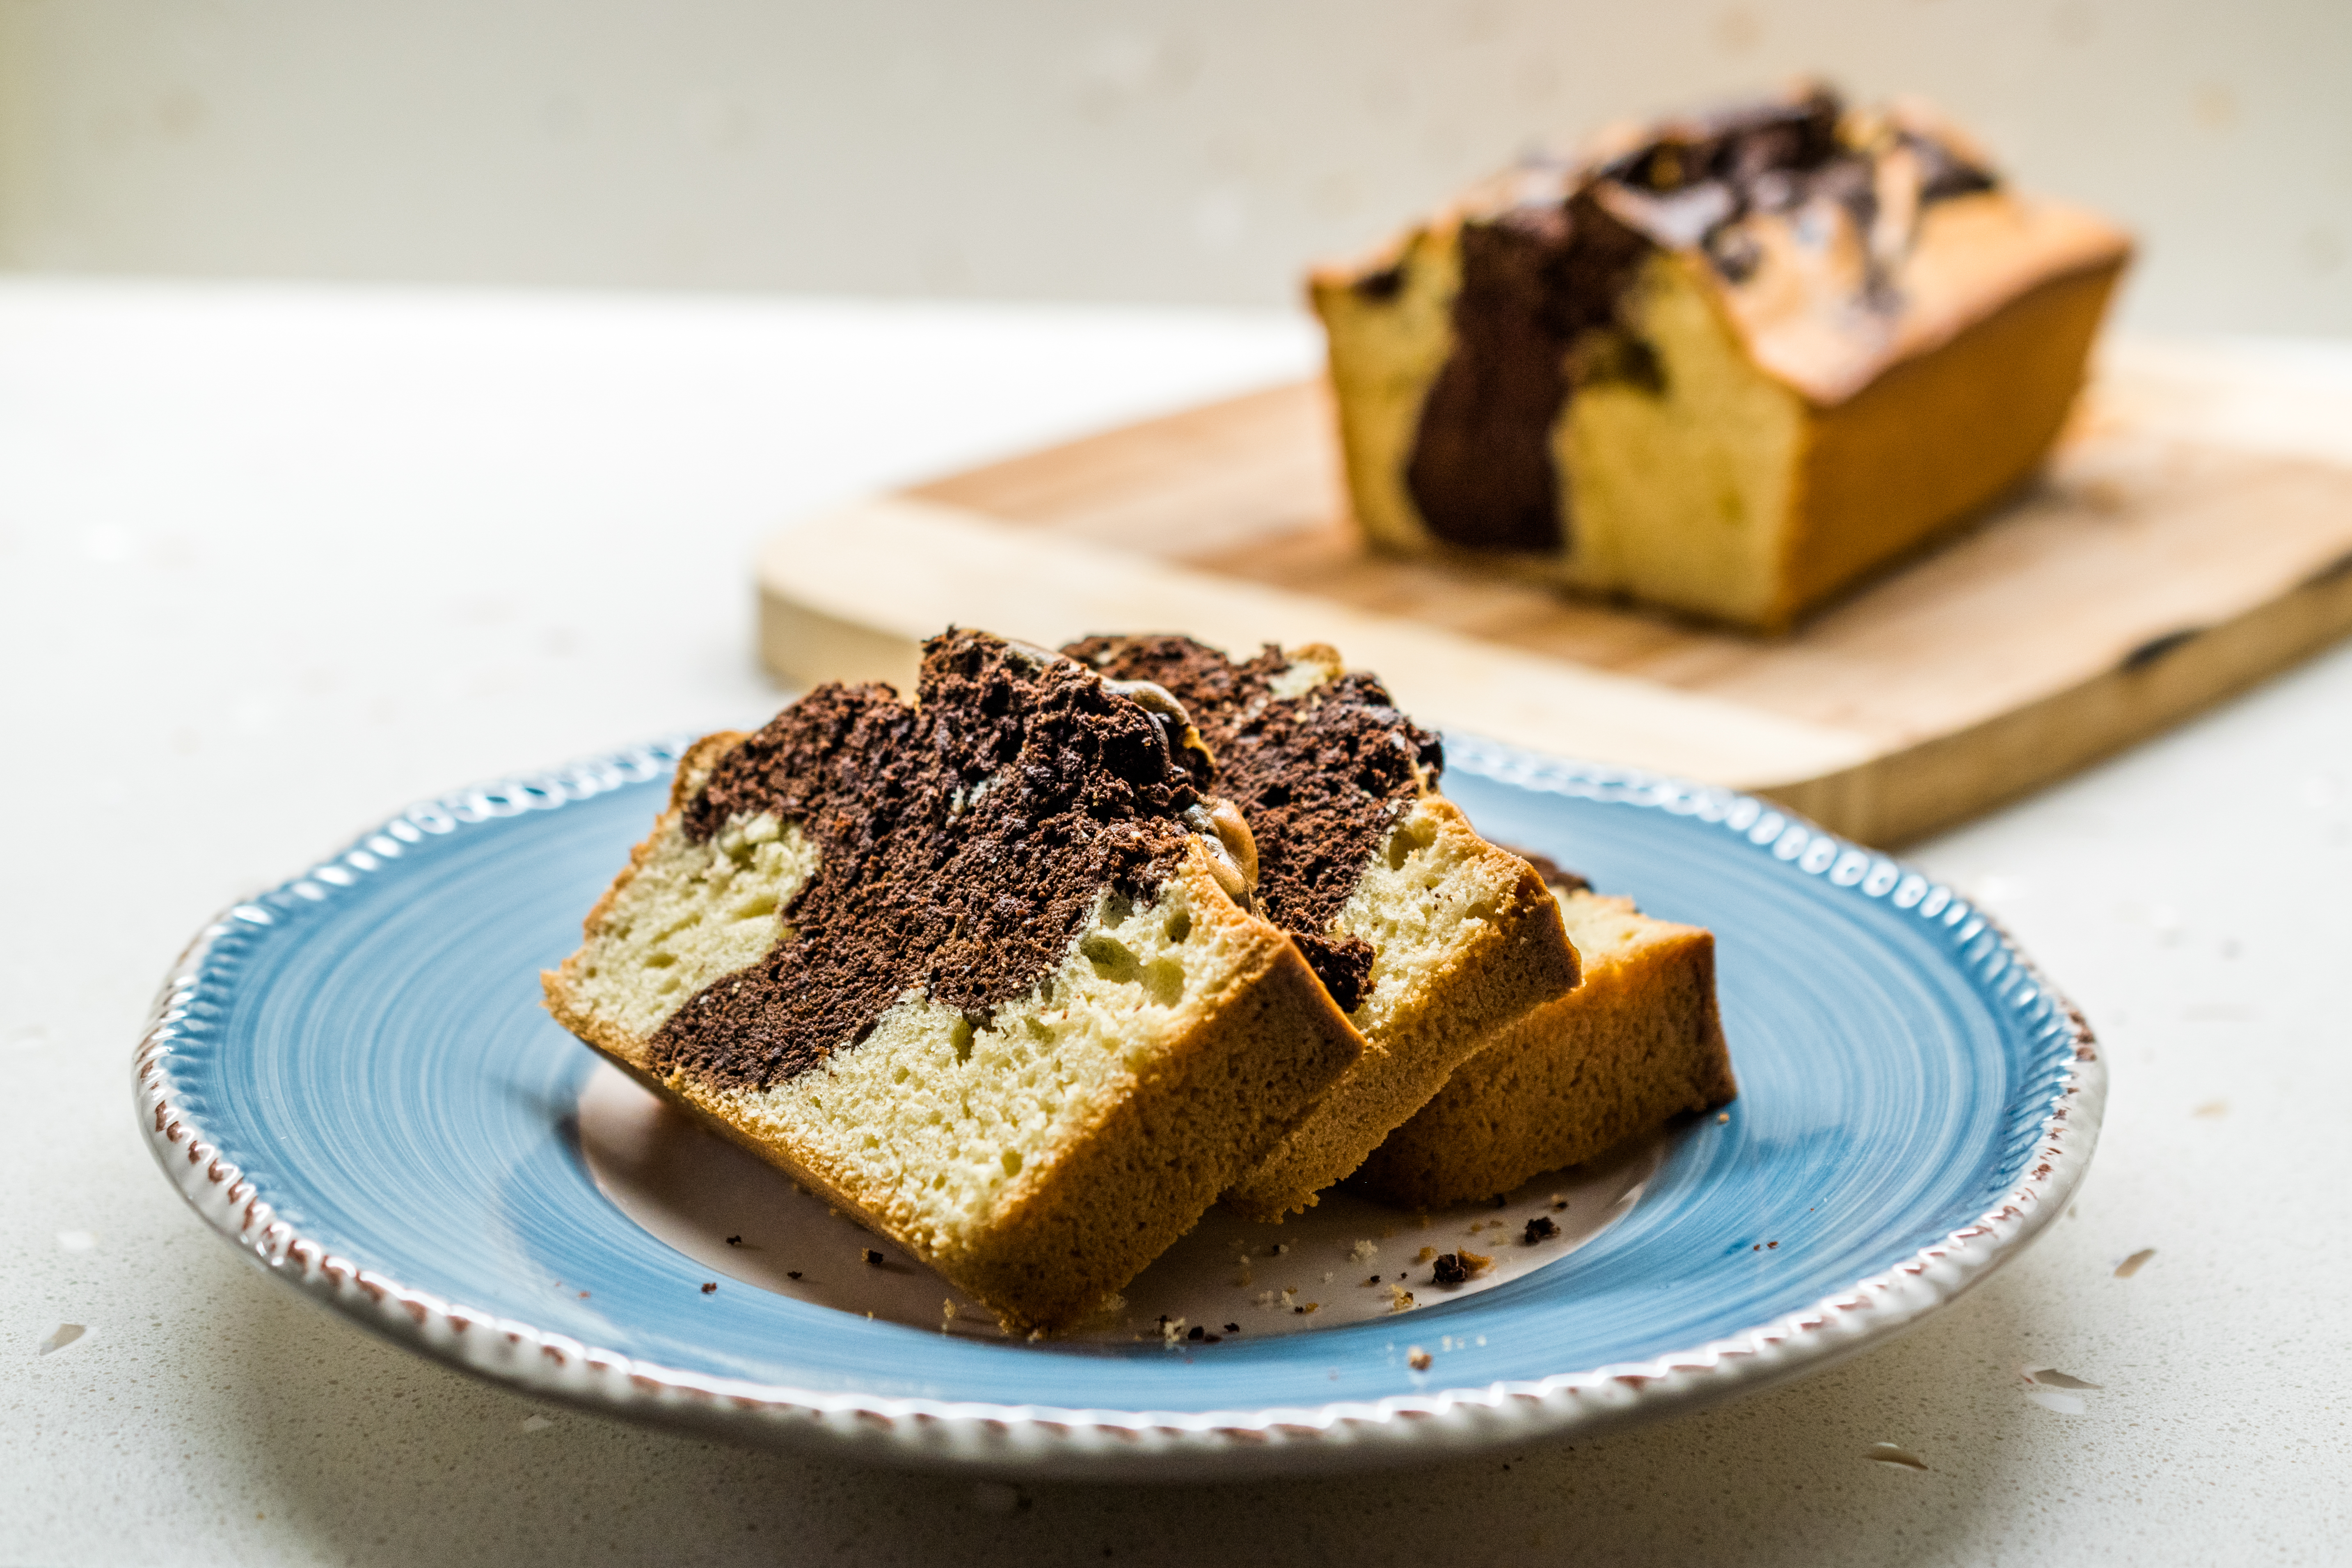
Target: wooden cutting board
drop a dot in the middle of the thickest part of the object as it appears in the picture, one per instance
(2192, 534)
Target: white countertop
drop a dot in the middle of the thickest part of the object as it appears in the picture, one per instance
(274, 563)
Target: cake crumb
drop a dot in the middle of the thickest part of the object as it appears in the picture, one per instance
(1364, 1251)
(946, 1310)
(1417, 1359)
(710, 1287)
(583, 1294)
(1424, 1255)
(1889, 1454)
(1172, 1332)
(2132, 1265)
(1401, 1300)
(1722, 1116)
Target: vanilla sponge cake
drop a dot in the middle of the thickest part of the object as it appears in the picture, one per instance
(1426, 935)
(1726, 366)
(1639, 1041)
(979, 967)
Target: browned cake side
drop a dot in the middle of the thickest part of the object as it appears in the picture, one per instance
(1639, 1041)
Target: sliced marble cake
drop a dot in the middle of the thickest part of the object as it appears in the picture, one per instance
(981, 967)
(1427, 936)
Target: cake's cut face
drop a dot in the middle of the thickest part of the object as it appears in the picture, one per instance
(1638, 1042)
(1428, 936)
(1724, 365)
(973, 966)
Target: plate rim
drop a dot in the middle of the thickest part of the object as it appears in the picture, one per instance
(1079, 1443)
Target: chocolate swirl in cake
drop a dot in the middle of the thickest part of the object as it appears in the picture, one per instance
(1544, 281)
(1321, 778)
(962, 845)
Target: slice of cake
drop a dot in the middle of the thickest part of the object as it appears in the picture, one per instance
(1427, 936)
(1726, 366)
(981, 967)
(1638, 1042)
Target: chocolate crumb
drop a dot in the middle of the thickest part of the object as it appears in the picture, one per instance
(1770, 1244)
(1540, 1228)
(734, 1241)
(1198, 1333)
(873, 1258)
(1498, 1201)
(1232, 1327)
(1449, 1270)
(710, 1287)
(1417, 1358)
(792, 1273)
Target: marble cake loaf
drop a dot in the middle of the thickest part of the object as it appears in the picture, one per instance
(978, 967)
(1725, 366)
(1638, 1042)
(1426, 935)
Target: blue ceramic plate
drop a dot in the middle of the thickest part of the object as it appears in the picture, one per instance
(352, 1077)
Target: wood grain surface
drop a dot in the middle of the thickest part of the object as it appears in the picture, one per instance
(2192, 534)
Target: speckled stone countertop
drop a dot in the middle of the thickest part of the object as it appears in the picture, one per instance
(274, 561)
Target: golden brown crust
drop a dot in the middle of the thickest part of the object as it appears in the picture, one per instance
(1884, 474)
(1520, 959)
(1638, 1042)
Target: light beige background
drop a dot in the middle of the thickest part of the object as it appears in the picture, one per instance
(1150, 150)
